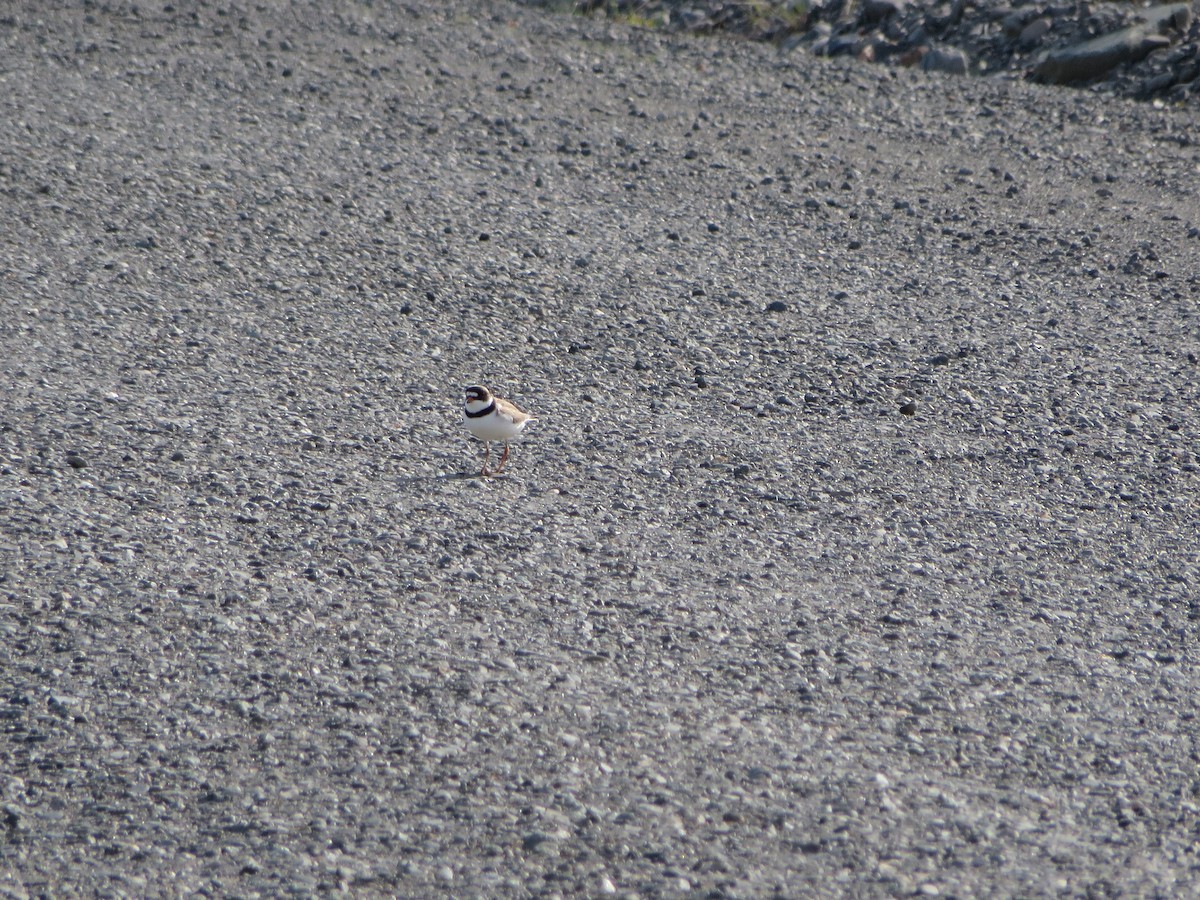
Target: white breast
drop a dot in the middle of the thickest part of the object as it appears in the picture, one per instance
(493, 427)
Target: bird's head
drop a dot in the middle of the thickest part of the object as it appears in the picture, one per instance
(478, 394)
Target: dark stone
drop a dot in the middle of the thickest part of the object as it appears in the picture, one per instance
(940, 59)
(1091, 59)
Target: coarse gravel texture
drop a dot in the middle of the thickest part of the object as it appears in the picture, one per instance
(854, 551)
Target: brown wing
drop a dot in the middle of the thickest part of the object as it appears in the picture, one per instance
(511, 411)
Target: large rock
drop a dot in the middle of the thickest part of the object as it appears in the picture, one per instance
(1091, 59)
(879, 10)
(945, 59)
(1032, 34)
(1172, 16)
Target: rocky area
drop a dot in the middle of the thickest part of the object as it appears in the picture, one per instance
(1145, 52)
(853, 552)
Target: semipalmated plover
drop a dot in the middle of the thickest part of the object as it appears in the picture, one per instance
(491, 418)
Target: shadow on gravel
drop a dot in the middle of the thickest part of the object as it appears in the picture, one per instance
(451, 476)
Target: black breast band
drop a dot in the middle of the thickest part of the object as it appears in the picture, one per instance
(487, 410)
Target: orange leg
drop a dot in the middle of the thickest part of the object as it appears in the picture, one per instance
(503, 458)
(487, 454)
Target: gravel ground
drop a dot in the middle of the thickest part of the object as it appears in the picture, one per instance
(854, 550)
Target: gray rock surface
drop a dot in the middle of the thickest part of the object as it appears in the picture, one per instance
(941, 60)
(1031, 35)
(854, 552)
(1106, 47)
(1093, 58)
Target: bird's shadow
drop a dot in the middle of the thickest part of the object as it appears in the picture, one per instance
(449, 476)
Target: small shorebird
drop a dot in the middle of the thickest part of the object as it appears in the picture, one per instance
(491, 418)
